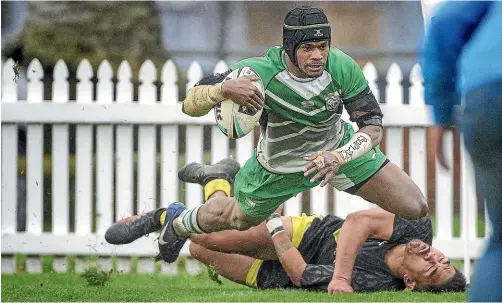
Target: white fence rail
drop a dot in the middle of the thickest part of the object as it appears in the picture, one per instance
(108, 168)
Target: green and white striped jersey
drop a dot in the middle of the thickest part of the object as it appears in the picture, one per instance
(302, 115)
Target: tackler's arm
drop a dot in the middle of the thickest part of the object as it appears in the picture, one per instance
(290, 258)
(357, 227)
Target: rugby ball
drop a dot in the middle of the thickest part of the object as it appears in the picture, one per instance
(235, 120)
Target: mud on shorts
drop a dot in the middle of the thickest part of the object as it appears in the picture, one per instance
(260, 192)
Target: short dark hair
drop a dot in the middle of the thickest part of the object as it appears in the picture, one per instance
(455, 284)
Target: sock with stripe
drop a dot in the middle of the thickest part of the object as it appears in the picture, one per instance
(216, 185)
(187, 224)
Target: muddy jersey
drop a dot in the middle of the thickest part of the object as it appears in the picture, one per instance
(370, 272)
(302, 115)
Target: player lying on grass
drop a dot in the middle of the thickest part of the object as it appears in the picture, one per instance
(374, 249)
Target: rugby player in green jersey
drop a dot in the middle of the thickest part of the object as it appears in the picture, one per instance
(304, 142)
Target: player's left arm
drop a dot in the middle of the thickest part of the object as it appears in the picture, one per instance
(364, 110)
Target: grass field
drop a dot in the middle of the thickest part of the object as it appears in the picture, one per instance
(51, 287)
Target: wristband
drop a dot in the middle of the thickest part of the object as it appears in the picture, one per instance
(357, 146)
(274, 225)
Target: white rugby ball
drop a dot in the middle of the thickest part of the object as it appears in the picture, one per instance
(235, 120)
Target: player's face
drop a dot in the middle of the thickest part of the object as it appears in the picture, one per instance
(312, 58)
(425, 265)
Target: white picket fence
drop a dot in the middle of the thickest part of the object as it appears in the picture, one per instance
(114, 120)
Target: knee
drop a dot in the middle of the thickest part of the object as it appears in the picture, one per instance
(240, 220)
(424, 208)
(421, 207)
(415, 205)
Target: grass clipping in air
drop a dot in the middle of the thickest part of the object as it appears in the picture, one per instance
(95, 276)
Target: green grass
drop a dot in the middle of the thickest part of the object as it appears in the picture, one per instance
(51, 287)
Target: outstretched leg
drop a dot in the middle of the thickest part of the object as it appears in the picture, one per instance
(232, 266)
(216, 180)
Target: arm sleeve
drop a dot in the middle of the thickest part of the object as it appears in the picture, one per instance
(200, 99)
(364, 109)
(450, 30)
(317, 277)
(204, 95)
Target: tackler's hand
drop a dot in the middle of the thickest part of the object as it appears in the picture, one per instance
(243, 92)
(339, 287)
(325, 163)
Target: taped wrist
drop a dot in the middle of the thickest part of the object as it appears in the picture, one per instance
(274, 225)
(358, 145)
(201, 99)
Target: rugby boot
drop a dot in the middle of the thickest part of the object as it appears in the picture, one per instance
(134, 227)
(170, 244)
(202, 173)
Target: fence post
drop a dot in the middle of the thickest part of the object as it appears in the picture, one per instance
(417, 138)
(169, 190)
(104, 152)
(394, 98)
(194, 147)
(60, 164)
(124, 148)
(9, 162)
(35, 154)
(169, 135)
(147, 148)
(84, 166)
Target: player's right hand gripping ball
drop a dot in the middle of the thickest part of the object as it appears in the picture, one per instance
(235, 120)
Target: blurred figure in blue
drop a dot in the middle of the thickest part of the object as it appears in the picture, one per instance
(463, 57)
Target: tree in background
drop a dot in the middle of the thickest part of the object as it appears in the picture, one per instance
(96, 30)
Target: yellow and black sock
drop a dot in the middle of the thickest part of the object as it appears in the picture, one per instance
(163, 217)
(210, 188)
(216, 185)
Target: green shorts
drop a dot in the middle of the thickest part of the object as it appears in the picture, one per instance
(260, 192)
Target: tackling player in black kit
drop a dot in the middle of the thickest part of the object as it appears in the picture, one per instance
(374, 251)
(371, 250)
